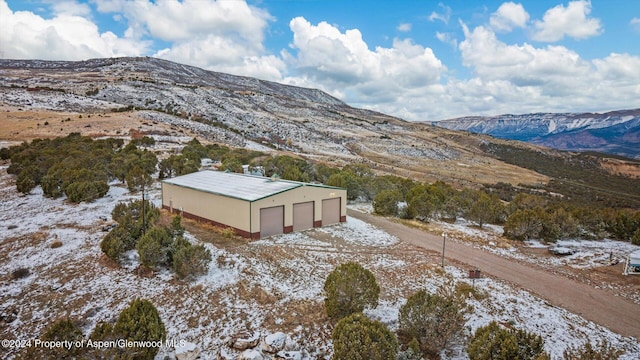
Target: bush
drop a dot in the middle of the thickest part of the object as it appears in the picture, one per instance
(125, 236)
(140, 322)
(112, 244)
(357, 337)
(86, 190)
(493, 342)
(60, 330)
(191, 261)
(434, 320)
(603, 351)
(20, 273)
(386, 202)
(154, 246)
(349, 289)
(25, 183)
(104, 332)
(635, 239)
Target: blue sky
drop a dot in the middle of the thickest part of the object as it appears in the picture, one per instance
(419, 60)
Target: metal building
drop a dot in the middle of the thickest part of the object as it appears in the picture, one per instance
(254, 206)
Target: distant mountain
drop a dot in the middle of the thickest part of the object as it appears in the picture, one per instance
(616, 132)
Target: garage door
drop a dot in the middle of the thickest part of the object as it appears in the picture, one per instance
(271, 221)
(330, 211)
(303, 216)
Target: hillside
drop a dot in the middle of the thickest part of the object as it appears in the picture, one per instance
(616, 132)
(238, 111)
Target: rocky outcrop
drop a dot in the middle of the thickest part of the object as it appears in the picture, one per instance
(245, 340)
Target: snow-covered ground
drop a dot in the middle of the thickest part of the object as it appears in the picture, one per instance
(588, 253)
(264, 286)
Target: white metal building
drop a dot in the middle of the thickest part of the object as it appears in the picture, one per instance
(254, 206)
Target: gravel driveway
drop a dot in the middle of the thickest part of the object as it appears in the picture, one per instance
(598, 305)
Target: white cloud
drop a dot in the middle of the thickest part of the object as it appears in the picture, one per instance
(225, 36)
(447, 38)
(180, 21)
(522, 78)
(635, 24)
(222, 54)
(69, 7)
(509, 16)
(572, 21)
(404, 27)
(443, 16)
(26, 35)
(342, 64)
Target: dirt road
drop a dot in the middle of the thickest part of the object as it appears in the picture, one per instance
(598, 305)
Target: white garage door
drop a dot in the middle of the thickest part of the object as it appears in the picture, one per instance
(302, 216)
(330, 211)
(271, 221)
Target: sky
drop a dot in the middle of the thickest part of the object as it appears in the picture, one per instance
(418, 60)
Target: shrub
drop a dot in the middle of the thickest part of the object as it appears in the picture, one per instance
(112, 244)
(177, 230)
(420, 207)
(60, 330)
(154, 246)
(635, 239)
(103, 332)
(493, 342)
(20, 273)
(357, 337)
(191, 261)
(386, 202)
(228, 232)
(603, 351)
(140, 322)
(25, 183)
(86, 190)
(349, 289)
(434, 320)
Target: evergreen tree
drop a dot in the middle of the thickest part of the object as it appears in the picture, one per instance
(386, 202)
(60, 330)
(349, 289)
(357, 338)
(493, 342)
(602, 351)
(433, 320)
(154, 247)
(140, 321)
(191, 261)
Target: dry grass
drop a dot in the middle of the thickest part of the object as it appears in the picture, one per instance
(26, 125)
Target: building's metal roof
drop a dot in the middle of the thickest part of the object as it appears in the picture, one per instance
(239, 186)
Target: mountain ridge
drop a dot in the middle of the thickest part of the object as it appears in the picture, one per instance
(615, 132)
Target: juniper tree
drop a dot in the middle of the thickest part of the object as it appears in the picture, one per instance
(349, 289)
(434, 320)
(141, 322)
(356, 337)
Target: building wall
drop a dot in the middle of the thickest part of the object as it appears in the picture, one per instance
(221, 210)
(243, 215)
(298, 195)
